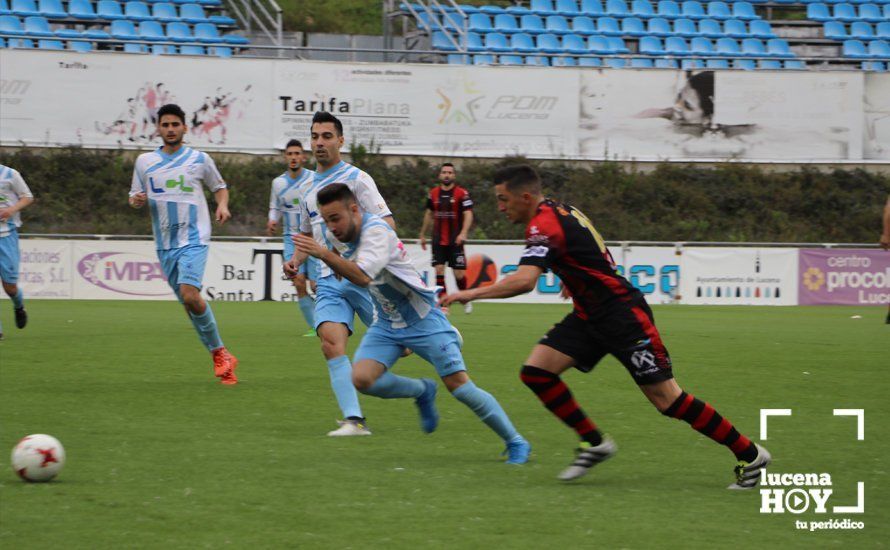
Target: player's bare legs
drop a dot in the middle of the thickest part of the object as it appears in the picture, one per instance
(224, 363)
(21, 316)
(333, 337)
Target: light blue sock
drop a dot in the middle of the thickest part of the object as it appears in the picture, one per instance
(205, 325)
(307, 306)
(391, 386)
(18, 301)
(340, 370)
(486, 408)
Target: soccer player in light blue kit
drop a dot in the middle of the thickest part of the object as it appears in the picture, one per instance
(14, 196)
(284, 205)
(337, 301)
(370, 254)
(171, 180)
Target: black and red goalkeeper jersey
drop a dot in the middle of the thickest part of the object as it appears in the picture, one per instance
(562, 239)
(448, 209)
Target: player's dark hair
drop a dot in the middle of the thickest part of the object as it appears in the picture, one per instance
(444, 164)
(323, 116)
(293, 143)
(519, 177)
(171, 109)
(335, 192)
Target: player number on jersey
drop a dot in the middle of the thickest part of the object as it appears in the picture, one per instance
(583, 220)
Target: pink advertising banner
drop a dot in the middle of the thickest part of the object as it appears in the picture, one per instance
(844, 277)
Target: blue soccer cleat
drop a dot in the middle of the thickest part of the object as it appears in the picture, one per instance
(426, 404)
(517, 450)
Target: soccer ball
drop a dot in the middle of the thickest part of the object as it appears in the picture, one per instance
(460, 337)
(38, 457)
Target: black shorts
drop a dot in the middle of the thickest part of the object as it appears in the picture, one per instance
(452, 255)
(626, 330)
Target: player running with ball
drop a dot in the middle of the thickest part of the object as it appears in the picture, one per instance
(610, 317)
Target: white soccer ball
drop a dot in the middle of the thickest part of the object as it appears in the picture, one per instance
(38, 457)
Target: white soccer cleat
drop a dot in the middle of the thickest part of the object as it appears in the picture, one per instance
(350, 428)
(468, 307)
(747, 476)
(587, 457)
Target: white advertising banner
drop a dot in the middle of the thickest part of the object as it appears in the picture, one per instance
(109, 100)
(45, 268)
(739, 276)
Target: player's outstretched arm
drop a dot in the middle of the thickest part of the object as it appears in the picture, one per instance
(520, 282)
(341, 266)
(427, 222)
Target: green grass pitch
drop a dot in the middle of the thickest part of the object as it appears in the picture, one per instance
(161, 456)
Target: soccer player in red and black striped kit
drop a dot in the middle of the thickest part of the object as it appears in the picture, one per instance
(449, 210)
(610, 317)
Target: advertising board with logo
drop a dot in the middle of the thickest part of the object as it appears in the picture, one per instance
(844, 277)
(739, 276)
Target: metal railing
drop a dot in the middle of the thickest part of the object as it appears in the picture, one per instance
(263, 15)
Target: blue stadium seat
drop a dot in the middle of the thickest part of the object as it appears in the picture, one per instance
(523, 42)
(505, 23)
(835, 30)
(152, 31)
(710, 28)
(633, 26)
(659, 26)
(518, 11)
(871, 12)
(641, 63)
(795, 64)
(38, 27)
(454, 59)
(164, 12)
(719, 10)
(537, 61)
(135, 10)
(226, 21)
(759, 28)
(769, 64)
(727, 47)
(80, 46)
(686, 27)
(615, 63)
(205, 32)
(778, 47)
(532, 24)
(450, 21)
(496, 42)
(676, 45)
(887, 11)
(110, 10)
(599, 44)
(162, 49)
(879, 48)
(845, 12)
(616, 43)
(575, 44)
(81, 9)
(479, 22)
(568, 8)
(701, 46)
(10, 24)
(861, 30)
(542, 7)
(440, 41)
(564, 62)
(67, 33)
(549, 43)
(129, 47)
(662, 63)
(178, 31)
(225, 51)
(692, 9)
(124, 30)
(668, 9)
(717, 64)
(735, 28)
(467, 8)
(642, 8)
(592, 8)
(876, 66)
(590, 62)
(744, 64)
(192, 50)
(210, 2)
(608, 26)
(753, 47)
(557, 24)
(95, 34)
(474, 42)
(192, 13)
(24, 8)
(855, 49)
(511, 60)
(583, 25)
(651, 45)
(425, 21)
(744, 10)
(691, 64)
(818, 12)
(883, 30)
(617, 8)
(44, 44)
(490, 10)
(4, 10)
(20, 43)
(51, 9)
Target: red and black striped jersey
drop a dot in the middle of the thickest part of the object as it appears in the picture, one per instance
(562, 239)
(448, 209)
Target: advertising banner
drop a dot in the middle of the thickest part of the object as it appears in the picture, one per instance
(45, 268)
(844, 277)
(739, 276)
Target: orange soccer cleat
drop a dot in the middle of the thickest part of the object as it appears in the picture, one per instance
(224, 364)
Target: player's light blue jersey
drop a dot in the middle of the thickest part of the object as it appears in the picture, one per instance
(400, 296)
(12, 189)
(284, 200)
(362, 186)
(175, 188)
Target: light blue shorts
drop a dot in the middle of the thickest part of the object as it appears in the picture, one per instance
(9, 257)
(184, 265)
(337, 301)
(433, 339)
(309, 268)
